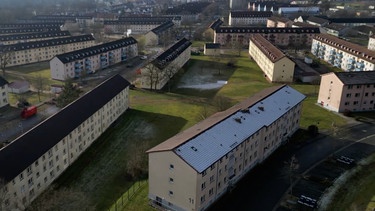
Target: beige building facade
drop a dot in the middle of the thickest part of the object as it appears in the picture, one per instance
(343, 54)
(77, 64)
(279, 22)
(347, 91)
(158, 72)
(371, 43)
(61, 139)
(4, 97)
(246, 18)
(276, 66)
(38, 51)
(193, 169)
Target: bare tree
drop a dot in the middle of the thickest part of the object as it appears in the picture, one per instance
(292, 166)
(152, 75)
(40, 83)
(169, 72)
(221, 103)
(136, 166)
(5, 58)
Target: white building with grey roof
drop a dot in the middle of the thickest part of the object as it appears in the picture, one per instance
(160, 35)
(193, 169)
(21, 38)
(77, 63)
(44, 50)
(4, 97)
(31, 162)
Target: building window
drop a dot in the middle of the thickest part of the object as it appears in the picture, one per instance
(203, 198)
(21, 176)
(366, 94)
(357, 94)
(348, 95)
(355, 103)
(350, 86)
(204, 173)
(212, 178)
(347, 103)
(171, 193)
(171, 180)
(359, 86)
(210, 192)
(203, 186)
(171, 166)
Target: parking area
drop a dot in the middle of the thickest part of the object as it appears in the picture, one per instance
(308, 191)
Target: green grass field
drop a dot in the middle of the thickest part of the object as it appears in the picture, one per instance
(154, 117)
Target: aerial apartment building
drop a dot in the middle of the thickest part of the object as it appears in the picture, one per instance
(193, 169)
(276, 66)
(277, 36)
(28, 30)
(38, 51)
(160, 70)
(21, 38)
(4, 97)
(347, 91)
(28, 25)
(160, 35)
(176, 19)
(343, 54)
(75, 64)
(279, 22)
(246, 18)
(30, 163)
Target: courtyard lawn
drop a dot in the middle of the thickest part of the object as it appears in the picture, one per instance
(101, 172)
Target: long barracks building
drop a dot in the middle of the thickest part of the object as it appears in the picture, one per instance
(193, 169)
(30, 163)
(89, 60)
(277, 36)
(21, 38)
(37, 51)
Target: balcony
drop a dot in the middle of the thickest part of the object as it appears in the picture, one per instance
(77, 65)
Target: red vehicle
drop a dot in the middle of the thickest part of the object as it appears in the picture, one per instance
(28, 112)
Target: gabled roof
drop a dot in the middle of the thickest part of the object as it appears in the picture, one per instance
(206, 142)
(26, 149)
(29, 36)
(171, 53)
(250, 14)
(351, 48)
(317, 20)
(335, 26)
(95, 50)
(272, 52)
(47, 43)
(163, 27)
(3, 81)
(243, 30)
(356, 78)
(303, 24)
(352, 20)
(62, 17)
(135, 22)
(29, 30)
(28, 25)
(217, 23)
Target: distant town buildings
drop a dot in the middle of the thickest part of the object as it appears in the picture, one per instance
(278, 36)
(194, 168)
(276, 66)
(248, 18)
(159, 71)
(279, 22)
(4, 97)
(77, 64)
(160, 35)
(347, 91)
(30, 163)
(343, 54)
(37, 51)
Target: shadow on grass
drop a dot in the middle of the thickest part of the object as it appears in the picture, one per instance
(100, 172)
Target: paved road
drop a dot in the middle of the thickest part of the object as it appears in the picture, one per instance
(262, 188)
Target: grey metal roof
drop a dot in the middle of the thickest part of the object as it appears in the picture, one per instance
(217, 23)
(95, 50)
(28, 25)
(26, 149)
(250, 14)
(203, 150)
(29, 30)
(46, 43)
(356, 78)
(212, 45)
(163, 27)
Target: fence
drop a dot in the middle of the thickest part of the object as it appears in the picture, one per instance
(119, 205)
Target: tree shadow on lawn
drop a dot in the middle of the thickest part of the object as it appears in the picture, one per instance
(101, 171)
(202, 78)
